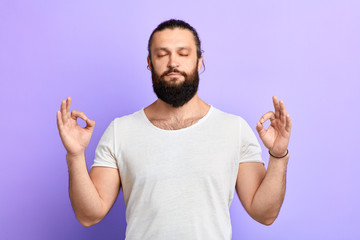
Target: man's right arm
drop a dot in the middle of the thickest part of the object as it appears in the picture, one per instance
(92, 194)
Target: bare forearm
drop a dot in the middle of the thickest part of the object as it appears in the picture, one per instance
(84, 197)
(270, 194)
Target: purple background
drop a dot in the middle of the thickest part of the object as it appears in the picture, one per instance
(305, 52)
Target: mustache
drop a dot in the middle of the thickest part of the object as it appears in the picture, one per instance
(173, 70)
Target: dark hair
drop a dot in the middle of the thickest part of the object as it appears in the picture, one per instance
(171, 24)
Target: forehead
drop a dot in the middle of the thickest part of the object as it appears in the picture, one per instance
(173, 38)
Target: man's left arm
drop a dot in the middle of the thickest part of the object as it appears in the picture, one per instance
(262, 192)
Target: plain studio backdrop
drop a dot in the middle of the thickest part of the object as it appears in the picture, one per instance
(305, 52)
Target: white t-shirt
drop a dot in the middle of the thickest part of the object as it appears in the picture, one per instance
(178, 184)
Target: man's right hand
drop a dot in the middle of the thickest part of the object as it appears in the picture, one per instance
(74, 137)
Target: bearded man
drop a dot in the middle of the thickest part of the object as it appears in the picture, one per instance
(178, 160)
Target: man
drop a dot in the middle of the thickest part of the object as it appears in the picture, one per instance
(178, 160)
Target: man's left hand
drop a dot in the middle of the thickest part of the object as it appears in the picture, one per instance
(276, 137)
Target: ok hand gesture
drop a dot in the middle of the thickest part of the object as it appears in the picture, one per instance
(276, 137)
(74, 137)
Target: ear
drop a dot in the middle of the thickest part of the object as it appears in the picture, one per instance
(200, 60)
(149, 63)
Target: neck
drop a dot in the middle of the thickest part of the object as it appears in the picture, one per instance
(195, 108)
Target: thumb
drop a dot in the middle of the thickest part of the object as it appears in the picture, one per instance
(90, 123)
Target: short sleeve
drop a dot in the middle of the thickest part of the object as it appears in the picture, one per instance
(250, 148)
(104, 152)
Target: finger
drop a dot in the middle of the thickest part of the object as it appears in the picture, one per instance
(89, 123)
(276, 106)
(63, 112)
(75, 114)
(68, 103)
(288, 123)
(282, 112)
(269, 115)
(59, 120)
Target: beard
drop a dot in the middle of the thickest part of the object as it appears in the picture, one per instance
(175, 94)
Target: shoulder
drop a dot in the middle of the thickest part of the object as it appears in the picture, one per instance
(126, 122)
(128, 119)
(232, 122)
(229, 117)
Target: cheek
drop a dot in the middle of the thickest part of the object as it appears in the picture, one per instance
(191, 66)
(158, 67)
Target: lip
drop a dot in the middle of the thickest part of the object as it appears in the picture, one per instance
(173, 74)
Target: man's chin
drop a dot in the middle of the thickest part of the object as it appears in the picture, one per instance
(172, 79)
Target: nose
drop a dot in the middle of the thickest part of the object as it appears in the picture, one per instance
(173, 62)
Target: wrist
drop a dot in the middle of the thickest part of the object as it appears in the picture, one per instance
(70, 157)
(283, 155)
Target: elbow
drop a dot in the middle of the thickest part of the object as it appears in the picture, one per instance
(266, 218)
(268, 222)
(88, 222)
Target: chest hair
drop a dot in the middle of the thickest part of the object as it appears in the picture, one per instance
(166, 125)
